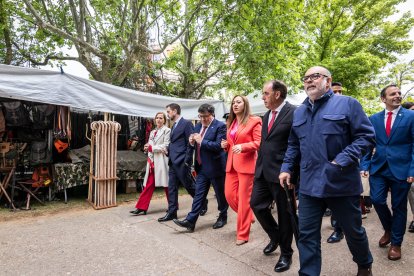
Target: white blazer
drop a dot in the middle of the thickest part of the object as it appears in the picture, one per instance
(159, 145)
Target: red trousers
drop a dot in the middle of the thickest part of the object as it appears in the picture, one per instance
(145, 197)
(238, 189)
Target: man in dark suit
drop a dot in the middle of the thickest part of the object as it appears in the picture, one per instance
(277, 123)
(391, 167)
(179, 160)
(210, 164)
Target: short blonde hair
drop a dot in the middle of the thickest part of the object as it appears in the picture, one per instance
(163, 115)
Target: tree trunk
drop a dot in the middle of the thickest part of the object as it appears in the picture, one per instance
(8, 57)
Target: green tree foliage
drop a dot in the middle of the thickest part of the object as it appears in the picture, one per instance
(399, 73)
(269, 39)
(355, 40)
(233, 44)
(202, 55)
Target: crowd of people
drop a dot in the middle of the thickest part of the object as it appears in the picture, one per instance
(315, 154)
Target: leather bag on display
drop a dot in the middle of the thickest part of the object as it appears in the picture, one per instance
(16, 114)
(43, 116)
(60, 145)
(39, 153)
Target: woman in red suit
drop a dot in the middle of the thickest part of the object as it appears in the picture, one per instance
(157, 166)
(243, 140)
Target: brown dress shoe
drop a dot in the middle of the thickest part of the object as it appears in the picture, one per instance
(394, 253)
(385, 239)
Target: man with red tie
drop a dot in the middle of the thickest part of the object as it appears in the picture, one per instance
(277, 123)
(210, 163)
(391, 167)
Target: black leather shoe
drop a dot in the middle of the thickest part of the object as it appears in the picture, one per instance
(283, 264)
(411, 227)
(138, 212)
(167, 217)
(221, 221)
(335, 237)
(205, 208)
(364, 271)
(185, 223)
(272, 246)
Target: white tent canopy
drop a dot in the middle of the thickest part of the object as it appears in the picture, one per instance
(257, 105)
(57, 88)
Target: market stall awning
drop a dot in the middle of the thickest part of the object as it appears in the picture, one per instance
(57, 88)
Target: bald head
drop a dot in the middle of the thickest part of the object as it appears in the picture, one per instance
(317, 82)
(320, 70)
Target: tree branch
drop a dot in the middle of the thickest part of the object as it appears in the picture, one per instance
(326, 41)
(164, 87)
(151, 51)
(356, 32)
(75, 16)
(206, 79)
(47, 13)
(47, 58)
(96, 51)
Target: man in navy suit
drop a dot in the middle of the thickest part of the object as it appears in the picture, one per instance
(210, 164)
(391, 167)
(178, 159)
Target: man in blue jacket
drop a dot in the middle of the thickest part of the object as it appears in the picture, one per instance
(329, 135)
(391, 167)
(179, 160)
(210, 165)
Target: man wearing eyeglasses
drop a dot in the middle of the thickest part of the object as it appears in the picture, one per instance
(210, 164)
(329, 135)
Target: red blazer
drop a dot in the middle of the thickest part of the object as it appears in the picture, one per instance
(249, 137)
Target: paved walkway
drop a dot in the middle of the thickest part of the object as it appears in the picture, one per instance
(111, 241)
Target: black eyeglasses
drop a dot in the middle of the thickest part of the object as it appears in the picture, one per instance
(204, 116)
(313, 77)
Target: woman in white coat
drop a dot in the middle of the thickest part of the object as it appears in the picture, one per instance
(156, 174)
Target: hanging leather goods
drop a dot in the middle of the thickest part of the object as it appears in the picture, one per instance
(2, 122)
(41, 177)
(61, 122)
(60, 146)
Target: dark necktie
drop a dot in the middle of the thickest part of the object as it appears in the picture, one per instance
(388, 124)
(173, 127)
(199, 146)
(272, 121)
